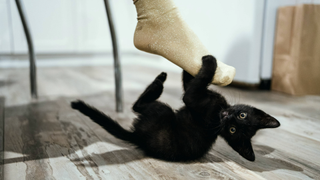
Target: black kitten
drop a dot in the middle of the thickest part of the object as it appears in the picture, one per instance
(187, 133)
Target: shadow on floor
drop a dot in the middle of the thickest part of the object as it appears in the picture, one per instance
(52, 129)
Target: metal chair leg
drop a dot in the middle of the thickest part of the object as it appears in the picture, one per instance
(117, 67)
(33, 78)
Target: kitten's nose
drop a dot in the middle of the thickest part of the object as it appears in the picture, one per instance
(224, 113)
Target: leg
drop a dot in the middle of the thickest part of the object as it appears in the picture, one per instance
(206, 73)
(32, 59)
(152, 93)
(117, 66)
(161, 30)
(197, 90)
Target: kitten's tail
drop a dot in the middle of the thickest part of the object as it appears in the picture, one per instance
(104, 121)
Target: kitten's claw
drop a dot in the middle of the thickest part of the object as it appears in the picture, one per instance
(162, 77)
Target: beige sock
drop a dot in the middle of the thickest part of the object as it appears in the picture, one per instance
(161, 30)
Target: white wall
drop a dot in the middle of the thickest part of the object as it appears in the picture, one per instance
(66, 26)
(5, 30)
(231, 30)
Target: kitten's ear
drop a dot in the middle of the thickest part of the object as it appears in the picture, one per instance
(269, 122)
(244, 149)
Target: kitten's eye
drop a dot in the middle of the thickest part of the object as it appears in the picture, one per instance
(232, 130)
(242, 115)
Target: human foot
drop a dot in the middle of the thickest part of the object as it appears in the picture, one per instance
(161, 30)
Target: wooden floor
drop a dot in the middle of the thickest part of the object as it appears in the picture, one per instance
(46, 139)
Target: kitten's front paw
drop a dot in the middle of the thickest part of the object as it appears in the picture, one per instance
(77, 104)
(209, 62)
(208, 59)
(162, 77)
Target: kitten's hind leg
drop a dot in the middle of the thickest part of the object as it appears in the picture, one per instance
(152, 92)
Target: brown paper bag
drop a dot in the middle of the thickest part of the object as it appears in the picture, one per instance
(296, 64)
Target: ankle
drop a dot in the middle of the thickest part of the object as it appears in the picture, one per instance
(153, 8)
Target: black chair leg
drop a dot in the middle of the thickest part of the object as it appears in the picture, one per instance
(117, 67)
(33, 81)
(33, 76)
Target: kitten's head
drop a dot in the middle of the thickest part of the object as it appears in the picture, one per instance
(240, 123)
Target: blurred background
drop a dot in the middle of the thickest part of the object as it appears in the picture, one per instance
(238, 33)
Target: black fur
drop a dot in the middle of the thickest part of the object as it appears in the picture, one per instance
(187, 133)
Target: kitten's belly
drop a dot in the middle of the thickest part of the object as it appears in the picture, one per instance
(179, 141)
(178, 146)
